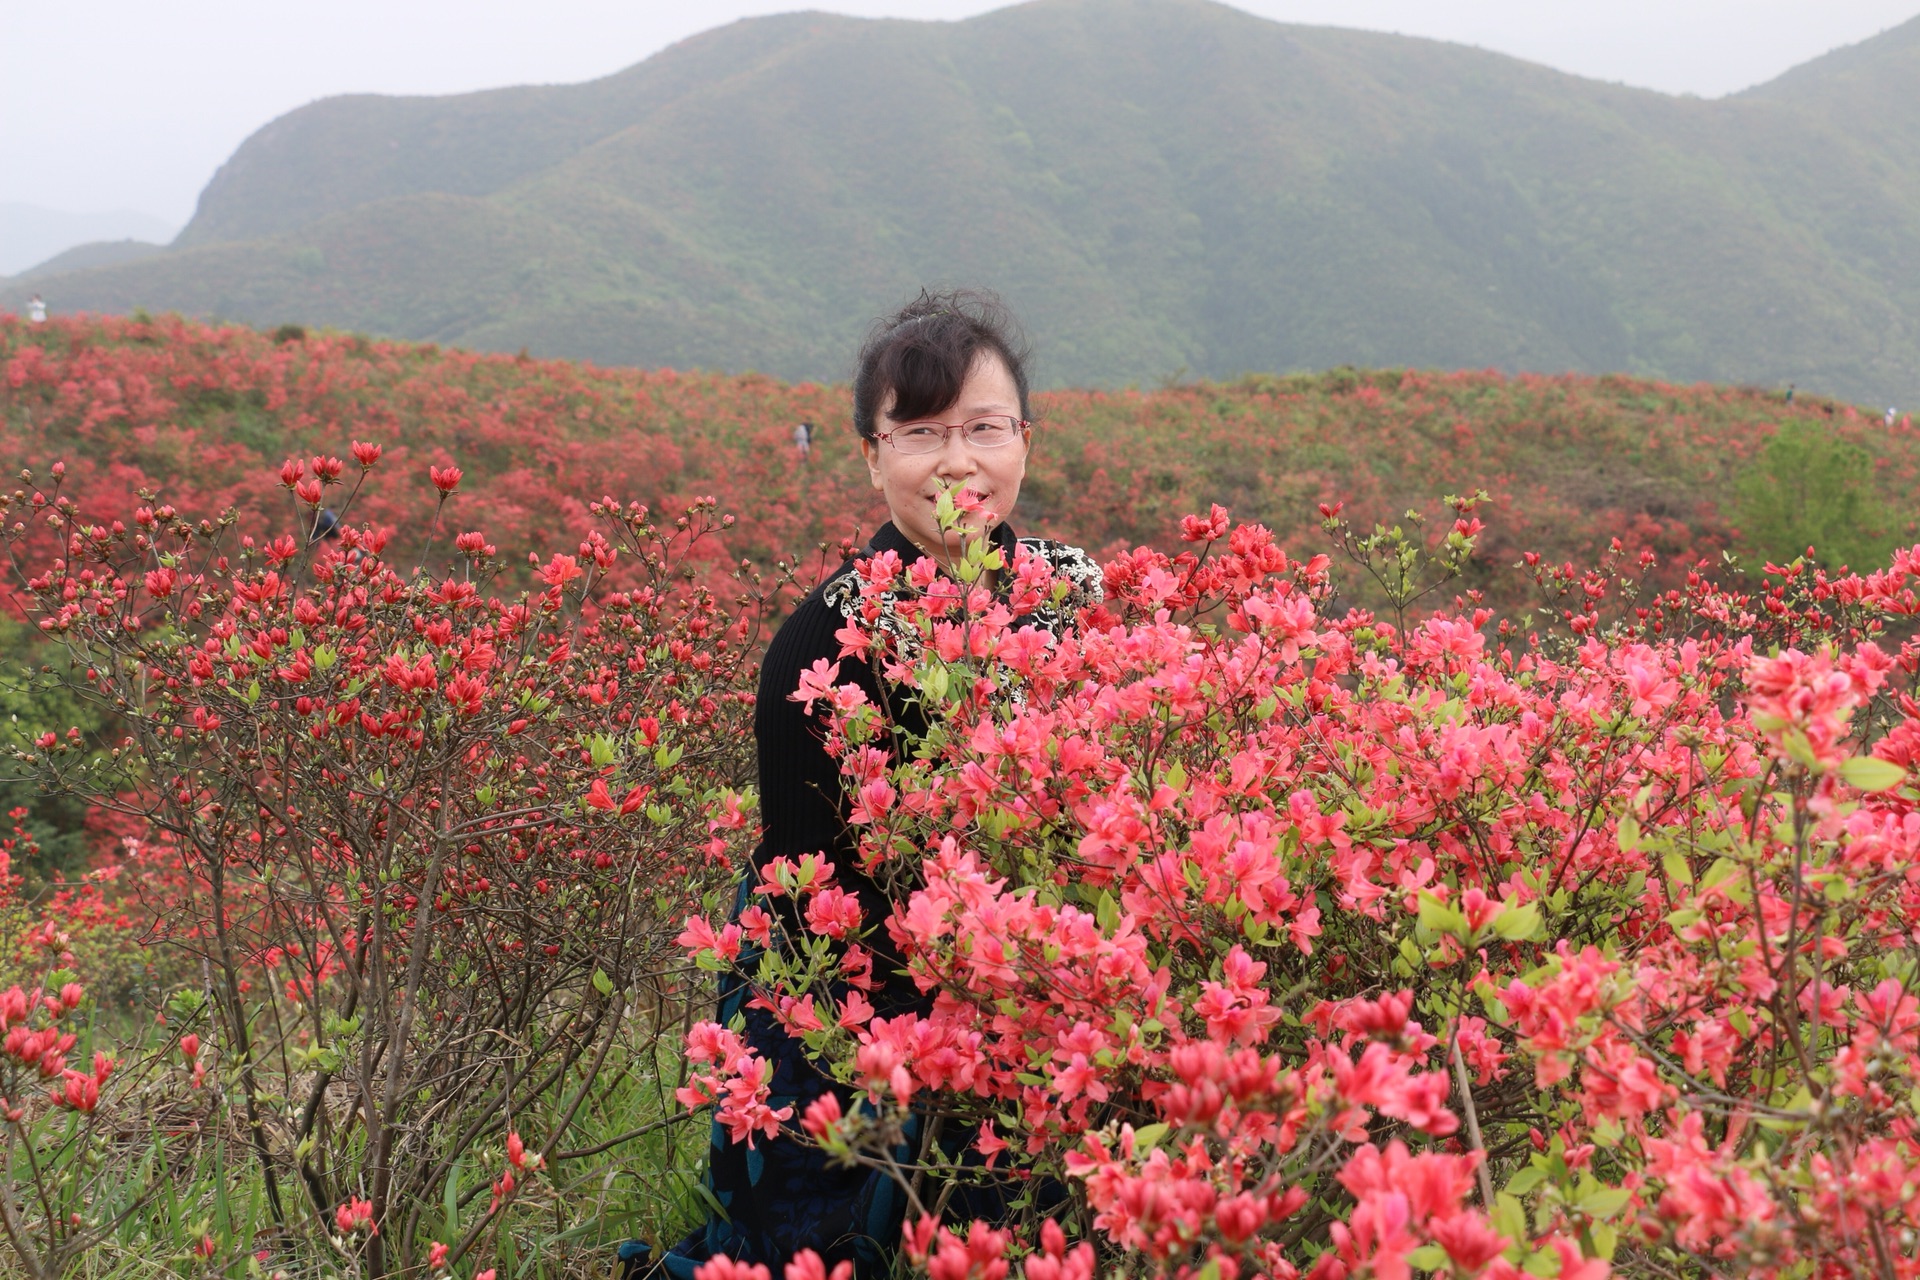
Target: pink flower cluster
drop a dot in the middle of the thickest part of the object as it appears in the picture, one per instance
(38, 1047)
(736, 1083)
(1298, 943)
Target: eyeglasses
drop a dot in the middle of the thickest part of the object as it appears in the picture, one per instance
(994, 431)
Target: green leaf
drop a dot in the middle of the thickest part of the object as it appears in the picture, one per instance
(713, 1203)
(1148, 1136)
(1869, 773)
(1428, 1257)
(1605, 1202)
(1678, 869)
(1439, 917)
(1509, 1217)
(1544, 1262)
(1722, 869)
(452, 1197)
(1526, 1180)
(602, 983)
(1518, 923)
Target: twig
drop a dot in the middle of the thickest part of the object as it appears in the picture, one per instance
(1473, 1123)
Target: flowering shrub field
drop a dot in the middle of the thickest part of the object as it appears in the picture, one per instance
(1258, 933)
(423, 848)
(1287, 942)
(1570, 463)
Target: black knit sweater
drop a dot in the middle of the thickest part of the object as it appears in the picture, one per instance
(803, 808)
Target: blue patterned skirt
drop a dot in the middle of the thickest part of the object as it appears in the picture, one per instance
(782, 1195)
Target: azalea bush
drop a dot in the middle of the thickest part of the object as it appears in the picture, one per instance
(422, 847)
(1260, 936)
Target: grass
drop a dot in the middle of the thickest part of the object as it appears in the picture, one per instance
(182, 1170)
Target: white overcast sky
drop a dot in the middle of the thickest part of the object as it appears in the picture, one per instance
(132, 104)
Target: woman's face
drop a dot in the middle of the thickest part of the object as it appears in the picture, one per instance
(913, 482)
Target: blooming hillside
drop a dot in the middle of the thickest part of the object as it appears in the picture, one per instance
(1224, 933)
(195, 411)
(1247, 933)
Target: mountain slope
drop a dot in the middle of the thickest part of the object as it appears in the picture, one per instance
(348, 151)
(1157, 185)
(94, 253)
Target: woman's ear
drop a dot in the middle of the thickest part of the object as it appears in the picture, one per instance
(870, 450)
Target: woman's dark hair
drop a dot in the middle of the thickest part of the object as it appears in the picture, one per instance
(924, 352)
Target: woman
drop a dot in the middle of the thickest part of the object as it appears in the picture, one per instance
(940, 405)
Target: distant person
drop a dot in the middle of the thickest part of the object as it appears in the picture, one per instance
(1789, 393)
(803, 439)
(37, 310)
(326, 527)
(1892, 413)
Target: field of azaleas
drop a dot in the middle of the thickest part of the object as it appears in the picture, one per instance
(1570, 464)
(1255, 933)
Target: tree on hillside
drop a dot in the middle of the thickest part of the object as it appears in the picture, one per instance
(1808, 488)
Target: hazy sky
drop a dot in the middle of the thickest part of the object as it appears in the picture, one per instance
(132, 104)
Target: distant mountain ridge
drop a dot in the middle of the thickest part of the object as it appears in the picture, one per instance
(1159, 186)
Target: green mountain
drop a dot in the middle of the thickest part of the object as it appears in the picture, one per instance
(1157, 185)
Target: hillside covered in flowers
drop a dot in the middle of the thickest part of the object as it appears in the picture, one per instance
(1281, 914)
(194, 412)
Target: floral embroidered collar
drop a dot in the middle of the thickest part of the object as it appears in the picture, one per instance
(849, 592)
